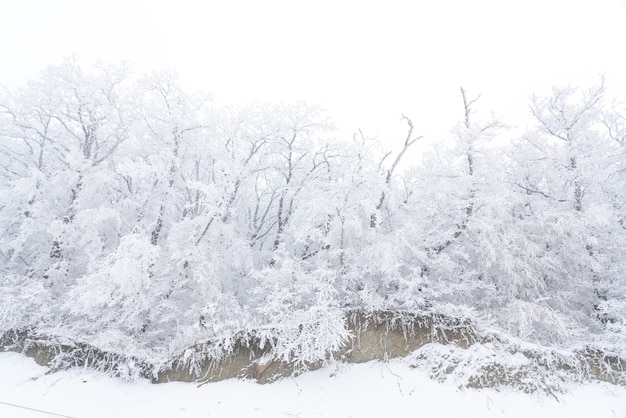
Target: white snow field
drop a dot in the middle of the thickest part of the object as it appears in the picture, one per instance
(373, 389)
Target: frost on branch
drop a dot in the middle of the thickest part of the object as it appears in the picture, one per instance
(142, 220)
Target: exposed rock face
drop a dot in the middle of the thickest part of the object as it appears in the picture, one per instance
(59, 355)
(376, 336)
(372, 336)
(386, 335)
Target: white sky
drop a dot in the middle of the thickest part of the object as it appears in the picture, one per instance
(366, 61)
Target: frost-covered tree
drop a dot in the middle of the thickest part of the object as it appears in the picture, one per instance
(563, 174)
(59, 136)
(143, 219)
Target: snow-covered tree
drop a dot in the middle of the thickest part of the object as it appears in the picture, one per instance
(143, 219)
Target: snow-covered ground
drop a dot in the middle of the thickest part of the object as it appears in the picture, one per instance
(372, 389)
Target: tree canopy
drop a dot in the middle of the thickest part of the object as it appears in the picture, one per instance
(141, 218)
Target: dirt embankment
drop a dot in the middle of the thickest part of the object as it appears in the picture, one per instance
(372, 336)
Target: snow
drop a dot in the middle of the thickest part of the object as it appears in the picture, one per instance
(373, 389)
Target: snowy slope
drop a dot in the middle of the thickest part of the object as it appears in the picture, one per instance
(367, 390)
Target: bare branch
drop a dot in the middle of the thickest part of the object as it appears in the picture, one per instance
(467, 106)
(407, 143)
(380, 164)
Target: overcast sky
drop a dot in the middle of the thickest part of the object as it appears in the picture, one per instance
(367, 62)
